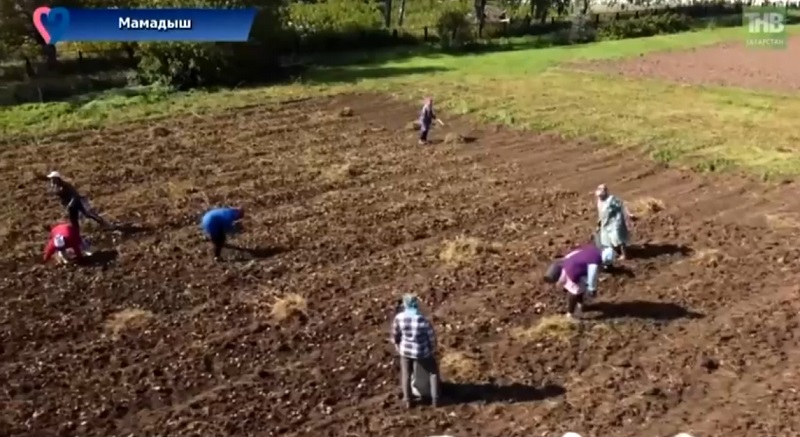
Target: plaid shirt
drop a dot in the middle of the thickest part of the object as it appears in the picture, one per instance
(413, 335)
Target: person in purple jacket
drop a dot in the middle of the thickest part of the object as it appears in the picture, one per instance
(426, 118)
(578, 272)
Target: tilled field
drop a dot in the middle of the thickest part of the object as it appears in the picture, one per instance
(346, 213)
(728, 64)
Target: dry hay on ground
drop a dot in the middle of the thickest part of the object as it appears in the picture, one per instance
(459, 366)
(556, 327)
(645, 206)
(124, 320)
(290, 306)
(217, 361)
(463, 250)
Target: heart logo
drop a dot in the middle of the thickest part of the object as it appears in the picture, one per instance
(51, 23)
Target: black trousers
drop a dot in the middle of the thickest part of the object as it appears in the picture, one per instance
(218, 241)
(573, 301)
(423, 133)
(76, 208)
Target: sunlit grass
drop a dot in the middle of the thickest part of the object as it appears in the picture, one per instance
(709, 128)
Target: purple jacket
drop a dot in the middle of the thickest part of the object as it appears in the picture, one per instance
(576, 263)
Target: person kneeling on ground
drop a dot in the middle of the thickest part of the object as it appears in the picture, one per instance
(578, 273)
(73, 201)
(415, 342)
(64, 237)
(218, 223)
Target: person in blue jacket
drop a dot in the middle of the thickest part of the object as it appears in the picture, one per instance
(218, 223)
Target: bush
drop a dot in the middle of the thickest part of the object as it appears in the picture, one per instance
(333, 25)
(187, 65)
(333, 41)
(335, 15)
(581, 30)
(454, 28)
(645, 26)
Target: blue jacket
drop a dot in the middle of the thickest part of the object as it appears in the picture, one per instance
(221, 220)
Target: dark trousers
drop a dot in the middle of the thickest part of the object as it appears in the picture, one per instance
(76, 208)
(573, 301)
(423, 133)
(218, 241)
(407, 368)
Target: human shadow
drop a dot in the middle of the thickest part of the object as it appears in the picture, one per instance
(617, 270)
(640, 309)
(99, 258)
(128, 229)
(648, 251)
(457, 393)
(257, 252)
(462, 140)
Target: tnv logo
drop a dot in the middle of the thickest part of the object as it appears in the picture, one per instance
(765, 22)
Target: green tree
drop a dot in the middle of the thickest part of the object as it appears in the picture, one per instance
(17, 32)
(199, 64)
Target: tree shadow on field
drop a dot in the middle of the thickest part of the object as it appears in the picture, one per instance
(100, 258)
(251, 253)
(649, 251)
(640, 309)
(354, 74)
(457, 393)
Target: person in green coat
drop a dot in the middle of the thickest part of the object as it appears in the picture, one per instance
(612, 223)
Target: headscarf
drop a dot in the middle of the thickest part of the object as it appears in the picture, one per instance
(601, 192)
(410, 303)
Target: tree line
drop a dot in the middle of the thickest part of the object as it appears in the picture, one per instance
(281, 28)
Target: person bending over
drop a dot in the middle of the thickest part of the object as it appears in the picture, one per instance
(218, 223)
(577, 273)
(65, 239)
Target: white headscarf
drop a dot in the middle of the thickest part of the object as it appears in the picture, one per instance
(60, 243)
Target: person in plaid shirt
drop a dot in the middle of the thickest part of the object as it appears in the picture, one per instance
(415, 341)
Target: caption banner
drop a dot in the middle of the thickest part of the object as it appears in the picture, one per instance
(140, 25)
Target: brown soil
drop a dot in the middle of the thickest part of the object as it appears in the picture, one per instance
(729, 64)
(343, 215)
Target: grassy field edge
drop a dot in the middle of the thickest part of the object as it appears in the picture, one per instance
(532, 89)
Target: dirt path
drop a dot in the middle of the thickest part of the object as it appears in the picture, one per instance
(703, 333)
